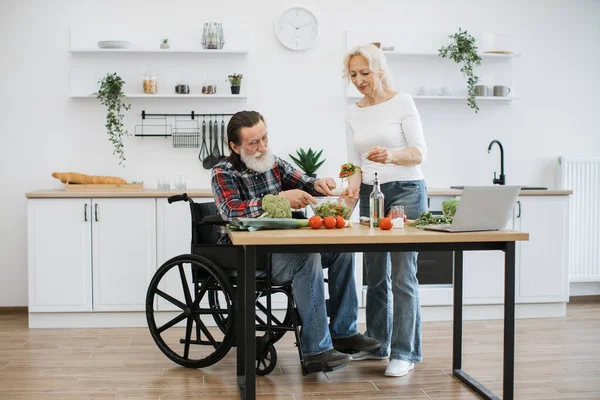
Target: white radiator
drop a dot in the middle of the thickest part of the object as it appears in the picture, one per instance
(582, 175)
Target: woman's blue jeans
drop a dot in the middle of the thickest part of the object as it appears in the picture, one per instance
(305, 271)
(393, 306)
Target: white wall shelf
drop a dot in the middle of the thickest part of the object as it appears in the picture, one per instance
(168, 96)
(169, 51)
(400, 54)
(478, 99)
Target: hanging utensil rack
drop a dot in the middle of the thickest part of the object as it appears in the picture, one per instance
(185, 129)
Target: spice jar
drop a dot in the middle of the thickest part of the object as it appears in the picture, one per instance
(182, 87)
(150, 81)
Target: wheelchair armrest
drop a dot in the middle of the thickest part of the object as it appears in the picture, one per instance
(213, 220)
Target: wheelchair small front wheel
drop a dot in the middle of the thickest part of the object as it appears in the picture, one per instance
(177, 311)
(266, 362)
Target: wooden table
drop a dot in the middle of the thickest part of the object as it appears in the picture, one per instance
(253, 247)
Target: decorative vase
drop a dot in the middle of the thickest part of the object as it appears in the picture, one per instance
(235, 90)
(165, 46)
(212, 36)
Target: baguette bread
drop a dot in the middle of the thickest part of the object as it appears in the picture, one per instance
(74, 177)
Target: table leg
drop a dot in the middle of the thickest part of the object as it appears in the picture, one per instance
(246, 319)
(509, 321)
(457, 308)
(457, 332)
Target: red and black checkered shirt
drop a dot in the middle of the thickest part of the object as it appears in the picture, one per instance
(239, 193)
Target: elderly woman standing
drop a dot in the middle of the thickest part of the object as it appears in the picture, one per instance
(384, 136)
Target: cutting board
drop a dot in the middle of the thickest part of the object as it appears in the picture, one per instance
(129, 187)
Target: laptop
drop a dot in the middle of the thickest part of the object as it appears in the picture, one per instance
(481, 208)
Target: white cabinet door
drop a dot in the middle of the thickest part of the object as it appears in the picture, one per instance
(174, 223)
(124, 252)
(483, 275)
(59, 255)
(542, 273)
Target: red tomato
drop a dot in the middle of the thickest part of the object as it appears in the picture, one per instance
(340, 222)
(329, 222)
(385, 224)
(315, 222)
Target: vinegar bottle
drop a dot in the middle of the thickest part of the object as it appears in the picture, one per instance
(375, 204)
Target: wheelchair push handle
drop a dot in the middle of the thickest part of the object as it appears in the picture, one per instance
(179, 197)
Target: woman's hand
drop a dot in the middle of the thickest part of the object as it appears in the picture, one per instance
(351, 191)
(379, 155)
(353, 188)
(324, 186)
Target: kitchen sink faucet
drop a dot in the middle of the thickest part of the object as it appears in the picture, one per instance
(502, 179)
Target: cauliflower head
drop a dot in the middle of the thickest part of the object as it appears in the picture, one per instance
(449, 207)
(276, 207)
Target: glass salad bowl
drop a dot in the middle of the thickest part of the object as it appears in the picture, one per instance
(334, 205)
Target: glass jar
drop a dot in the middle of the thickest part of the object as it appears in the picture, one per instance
(397, 216)
(150, 81)
(182, 87)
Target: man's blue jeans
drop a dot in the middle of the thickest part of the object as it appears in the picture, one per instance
(395, 323)
(305, 271)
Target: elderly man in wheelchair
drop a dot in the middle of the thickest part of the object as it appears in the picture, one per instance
(239, 183)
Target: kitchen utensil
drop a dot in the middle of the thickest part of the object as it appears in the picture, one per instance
(216, 153)
(501, 91)
(222, 135)
(208, 161)
(203, 149)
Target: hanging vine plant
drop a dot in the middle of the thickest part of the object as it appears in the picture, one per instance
(111, 95)
(463, 51)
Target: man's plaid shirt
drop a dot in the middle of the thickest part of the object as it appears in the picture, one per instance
(239, 193)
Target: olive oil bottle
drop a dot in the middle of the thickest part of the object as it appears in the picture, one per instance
(375, 204)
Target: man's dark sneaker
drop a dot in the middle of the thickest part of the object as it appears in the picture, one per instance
(356, 343)
(329, 359)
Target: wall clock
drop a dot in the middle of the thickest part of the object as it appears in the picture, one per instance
(297, 28)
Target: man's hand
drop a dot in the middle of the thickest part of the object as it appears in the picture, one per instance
(324, 186)
(298, 198)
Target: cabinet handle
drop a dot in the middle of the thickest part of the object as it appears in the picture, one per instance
(85, 212)
(519, 214)
(96, 211)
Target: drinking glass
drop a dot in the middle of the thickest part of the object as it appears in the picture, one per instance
(180, 182)
(397, 217)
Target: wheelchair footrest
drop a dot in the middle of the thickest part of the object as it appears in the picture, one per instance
(313, 368)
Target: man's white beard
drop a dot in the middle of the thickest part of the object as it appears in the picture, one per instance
(261, 164)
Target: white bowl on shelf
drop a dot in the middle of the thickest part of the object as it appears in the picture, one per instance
(114, 44)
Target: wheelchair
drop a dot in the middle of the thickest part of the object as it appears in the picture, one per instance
(190, 289)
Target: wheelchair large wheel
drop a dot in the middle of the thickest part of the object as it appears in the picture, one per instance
(261, 313)
(177, 311)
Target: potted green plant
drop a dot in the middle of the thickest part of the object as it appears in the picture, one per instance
(111, 95)
(308, 161)
(463, 51)
(165, 44)
(235, 80)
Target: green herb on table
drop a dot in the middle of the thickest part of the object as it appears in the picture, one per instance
(427, 218)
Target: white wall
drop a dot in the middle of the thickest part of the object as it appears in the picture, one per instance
(300, 94)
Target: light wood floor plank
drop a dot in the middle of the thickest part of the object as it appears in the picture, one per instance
(555, 359)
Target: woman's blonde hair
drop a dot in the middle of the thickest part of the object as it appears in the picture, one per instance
(377, 63)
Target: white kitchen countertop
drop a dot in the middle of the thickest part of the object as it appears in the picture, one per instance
(61, 193)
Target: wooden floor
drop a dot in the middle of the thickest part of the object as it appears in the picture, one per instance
(555, 359)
